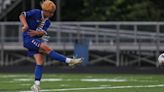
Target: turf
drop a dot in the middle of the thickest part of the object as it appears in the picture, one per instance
(84, 83)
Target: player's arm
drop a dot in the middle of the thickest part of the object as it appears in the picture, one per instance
(24, 22)
(42, 31)
(36, 33)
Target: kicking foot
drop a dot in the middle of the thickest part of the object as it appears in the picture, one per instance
(75, 61)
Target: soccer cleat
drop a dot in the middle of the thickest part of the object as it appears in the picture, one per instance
(75, 61)
(35, 88)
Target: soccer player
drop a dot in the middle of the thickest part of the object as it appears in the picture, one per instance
(35, 24)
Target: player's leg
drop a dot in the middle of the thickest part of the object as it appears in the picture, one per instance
(39, 59)
(54, 55)
(36, 45)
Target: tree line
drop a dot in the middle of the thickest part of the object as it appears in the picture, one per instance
(112, 10)
(100, 10)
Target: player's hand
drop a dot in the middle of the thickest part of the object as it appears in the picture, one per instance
(24, 28)
(32, 33)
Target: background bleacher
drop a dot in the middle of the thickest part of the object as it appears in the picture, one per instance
(110, 43)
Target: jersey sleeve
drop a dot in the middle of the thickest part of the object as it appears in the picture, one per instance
(30, 13)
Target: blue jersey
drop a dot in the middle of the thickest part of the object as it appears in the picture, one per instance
(36, 21)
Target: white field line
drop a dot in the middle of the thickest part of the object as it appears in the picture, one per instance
(99, 88)
(83, 80)
(104, 80)
(13, 76)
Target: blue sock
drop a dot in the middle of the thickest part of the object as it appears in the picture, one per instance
(38, 72)
(57, 56)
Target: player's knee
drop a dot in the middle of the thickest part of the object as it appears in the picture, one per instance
(45, 48)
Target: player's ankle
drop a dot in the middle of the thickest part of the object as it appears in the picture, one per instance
(68, 60)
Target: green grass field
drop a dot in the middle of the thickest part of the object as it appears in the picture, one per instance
(84, 83)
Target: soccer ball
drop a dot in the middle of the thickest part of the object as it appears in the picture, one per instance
(161, 59)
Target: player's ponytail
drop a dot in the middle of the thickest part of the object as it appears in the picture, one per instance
(48, 5)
